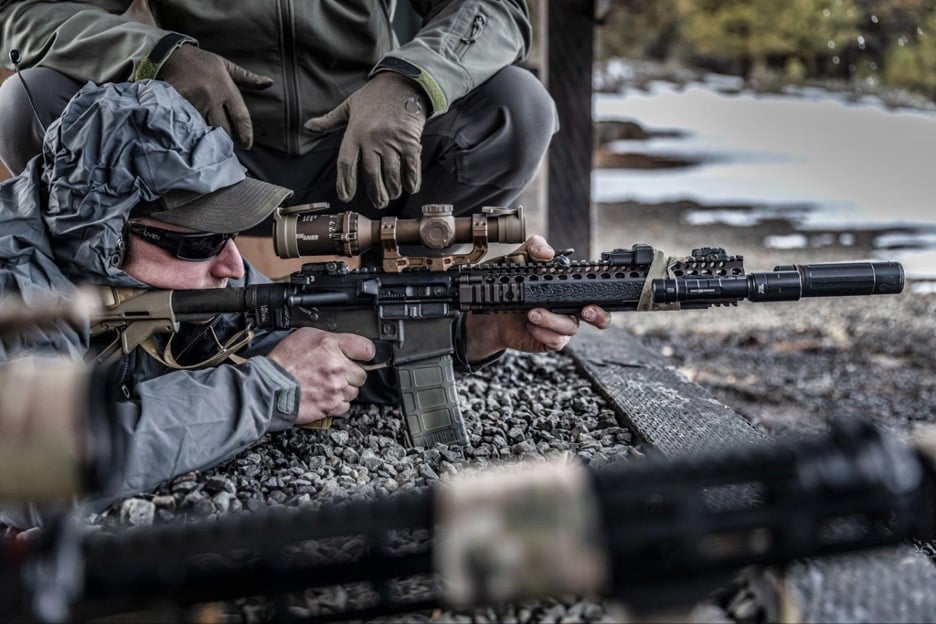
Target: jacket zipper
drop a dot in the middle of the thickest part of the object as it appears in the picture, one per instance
(477, 25)
(290, 92)
(122, 376)
(388, 16)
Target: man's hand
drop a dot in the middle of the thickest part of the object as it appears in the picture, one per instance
(210, 82)
(532, 331)
(326, 366)
(385, 120)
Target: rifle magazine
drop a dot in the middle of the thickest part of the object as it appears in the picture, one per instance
(430, 403)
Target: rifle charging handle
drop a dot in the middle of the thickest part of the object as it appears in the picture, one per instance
(306, 230)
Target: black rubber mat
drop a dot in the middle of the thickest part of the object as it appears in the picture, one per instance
(665, 409)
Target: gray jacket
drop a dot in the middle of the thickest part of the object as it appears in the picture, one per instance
(317, 51)
(61, 223)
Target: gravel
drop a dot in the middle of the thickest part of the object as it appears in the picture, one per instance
(789, 368)
(526, 407)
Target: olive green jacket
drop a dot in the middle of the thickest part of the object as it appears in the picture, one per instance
(317, 51)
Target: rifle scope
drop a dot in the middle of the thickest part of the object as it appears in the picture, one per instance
(307, 231)
(785, 283)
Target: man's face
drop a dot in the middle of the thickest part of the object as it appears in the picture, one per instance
(160, 269)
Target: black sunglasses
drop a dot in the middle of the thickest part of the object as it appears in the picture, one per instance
(194, 247)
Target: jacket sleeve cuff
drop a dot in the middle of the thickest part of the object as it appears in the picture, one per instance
(150, 65)
(460, 340)
(433, 91)
(286, 397)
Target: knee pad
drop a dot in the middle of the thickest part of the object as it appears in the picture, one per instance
(531, 112)
(504, 130)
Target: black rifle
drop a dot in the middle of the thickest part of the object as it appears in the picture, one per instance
(410, 306)
(650, 532)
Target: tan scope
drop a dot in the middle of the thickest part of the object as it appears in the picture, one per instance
(307, 231)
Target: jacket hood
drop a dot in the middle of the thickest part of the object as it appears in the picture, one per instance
(114, 146)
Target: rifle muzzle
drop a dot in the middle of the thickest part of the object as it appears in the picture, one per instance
(786, 283)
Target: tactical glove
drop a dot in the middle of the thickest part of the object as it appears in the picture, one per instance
(385, 120)
(210, 82)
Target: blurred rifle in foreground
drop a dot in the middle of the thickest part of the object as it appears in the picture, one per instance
(411, 304)
(57, 429)
(651, 533)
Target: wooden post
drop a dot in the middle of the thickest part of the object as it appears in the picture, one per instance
(568, 75)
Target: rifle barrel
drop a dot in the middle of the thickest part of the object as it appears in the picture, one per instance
(851, 278)
(785, 283)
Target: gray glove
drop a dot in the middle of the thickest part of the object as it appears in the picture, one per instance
(210, 82)
(385, 120)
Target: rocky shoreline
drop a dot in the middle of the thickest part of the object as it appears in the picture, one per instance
(788, 366)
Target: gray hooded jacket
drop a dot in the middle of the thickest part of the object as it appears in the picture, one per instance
(62, 225)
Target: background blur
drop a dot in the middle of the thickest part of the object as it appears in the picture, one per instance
(866, 44)
(771, 126)
(805, 126)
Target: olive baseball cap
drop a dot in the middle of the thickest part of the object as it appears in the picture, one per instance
(227, 210)
(143, 148)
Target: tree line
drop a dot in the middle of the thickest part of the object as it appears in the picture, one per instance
(891, 43)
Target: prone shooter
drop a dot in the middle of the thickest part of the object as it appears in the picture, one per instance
(413, 301)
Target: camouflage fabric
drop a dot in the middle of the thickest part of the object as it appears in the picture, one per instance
(519, 531)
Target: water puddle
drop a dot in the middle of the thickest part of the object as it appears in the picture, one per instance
(811, 169)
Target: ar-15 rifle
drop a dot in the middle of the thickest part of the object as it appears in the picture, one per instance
(649, 532)
(410, 306)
